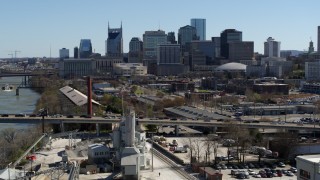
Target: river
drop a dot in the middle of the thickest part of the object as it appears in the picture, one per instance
(11, 104)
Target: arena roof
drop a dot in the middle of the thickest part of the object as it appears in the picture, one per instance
(232, 67)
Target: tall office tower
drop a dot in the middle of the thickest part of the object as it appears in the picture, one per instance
(114, 43)
(240, 50)
(76, 52)
(226, 36)
(171, 38)
(168, 60)
(318, 39)
(186, 35)
(311, 48)
(202, 49)
(135, 50)
(85, 48)
(168, 54)
(64, 53)
(217, 49)
(200, 25)
(272, 48)
(151, 40)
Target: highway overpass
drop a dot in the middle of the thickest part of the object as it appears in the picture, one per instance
(187, 122)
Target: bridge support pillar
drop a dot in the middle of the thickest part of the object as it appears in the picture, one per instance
(61, 126)
(98, 129)
(176, 130)
(214, 129)
(17, 91)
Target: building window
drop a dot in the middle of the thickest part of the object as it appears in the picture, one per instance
(304, 174)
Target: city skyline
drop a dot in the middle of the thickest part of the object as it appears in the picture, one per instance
(35, 27)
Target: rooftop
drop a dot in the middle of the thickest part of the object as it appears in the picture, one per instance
(76, 96)
(312, 158)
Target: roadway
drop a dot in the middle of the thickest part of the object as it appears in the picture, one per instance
(186, 122)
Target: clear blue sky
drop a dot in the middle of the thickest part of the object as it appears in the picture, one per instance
(31, 26)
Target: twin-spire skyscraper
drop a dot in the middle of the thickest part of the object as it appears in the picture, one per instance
(114, 43)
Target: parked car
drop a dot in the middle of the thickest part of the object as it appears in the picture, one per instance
(281, 164)
(289, 173)
(293, 169)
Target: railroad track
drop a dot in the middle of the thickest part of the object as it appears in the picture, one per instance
(176, 167)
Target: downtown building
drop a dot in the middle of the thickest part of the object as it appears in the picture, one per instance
(114, 43)
(63, 53)
(85, 48)
(169, 61)
(151, 40)
(233, 48)
(135, 54)
(227, 36)
(186, 34)
(312, 71)
(200, 25)
(272, 48)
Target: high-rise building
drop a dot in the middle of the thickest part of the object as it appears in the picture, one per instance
(241, 50)
(206, 48)
(171, 38)
(318, 39)
(151, 40)
(217, 49)
(114, 43)
(227, 36)
(85, 48)
(168, 60)
(168, 54)
(135, 50)
(186, 35)
(75, 52)
(200, 25)
(272, 48)
(64, 53)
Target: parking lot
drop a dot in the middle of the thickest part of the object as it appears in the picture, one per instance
(267, 167)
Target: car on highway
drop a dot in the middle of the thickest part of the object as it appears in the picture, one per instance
(70, 116)
(4, 115)
(20, 115)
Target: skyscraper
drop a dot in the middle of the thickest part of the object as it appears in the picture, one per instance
(85, 48)
(272, 48)
(114, 43)
(75, 52)
(135, 50)
(186, 35)
(168, 54)
(171, 38)
(200, 25)
(64, 53)
(226, 36)
(318, 47)
(151, 40)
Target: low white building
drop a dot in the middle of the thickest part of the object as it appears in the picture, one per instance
(129, 69)
(98, 153)
(308, 167)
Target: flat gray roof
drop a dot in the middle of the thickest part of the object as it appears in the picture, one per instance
(76, 96)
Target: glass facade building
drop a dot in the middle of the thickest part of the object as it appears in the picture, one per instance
(200, 25)
(186, 35)
(227, 36)
(151, 40)
(85, 49)
(114, 44)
